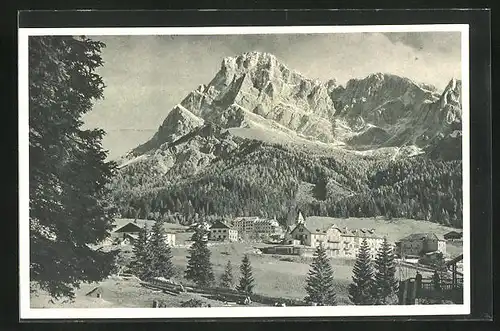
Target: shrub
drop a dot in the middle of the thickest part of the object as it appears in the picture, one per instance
(193, 303)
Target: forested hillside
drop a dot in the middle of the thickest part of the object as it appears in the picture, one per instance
(416, 188)
(263, 179)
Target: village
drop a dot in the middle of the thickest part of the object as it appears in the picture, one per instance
(281, 253)
(298, 238)
(280, 257)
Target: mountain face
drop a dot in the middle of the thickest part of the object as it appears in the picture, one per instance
(176, 156)
(389, 111)
(261, 134)
(256, 91)
(178, 123)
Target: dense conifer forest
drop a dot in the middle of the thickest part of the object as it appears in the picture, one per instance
(264, 179)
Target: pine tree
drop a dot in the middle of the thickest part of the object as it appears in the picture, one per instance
(385, 284)
(160, 251)
(227, 278)
(319, 286)
(199, 268)
(69, 199)
(246, 280)
(362, 279)
(140, 264)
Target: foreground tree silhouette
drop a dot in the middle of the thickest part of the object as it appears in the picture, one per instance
(360, 290)
(246, 280)
(319, 286)
(385, 285)
(227, 278)
(199, 268)
(68, 175)
(160, 252)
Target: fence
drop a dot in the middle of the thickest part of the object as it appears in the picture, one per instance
(272, 300)
(409, 291)
(219, 293)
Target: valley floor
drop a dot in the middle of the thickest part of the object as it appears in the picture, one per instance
(275, 275)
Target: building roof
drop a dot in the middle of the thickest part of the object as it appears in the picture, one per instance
(220, 225)
(129, 227)
(255, 219)
(453, 234)
(421, 236)
(246, 218)
(122, 222)
(268, 221)
(363, 233)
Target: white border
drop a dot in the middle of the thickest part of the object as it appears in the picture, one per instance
(26, 312)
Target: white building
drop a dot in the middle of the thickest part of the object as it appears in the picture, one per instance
(220, 231)
(341, 242)
(244, 224)
(257, 226)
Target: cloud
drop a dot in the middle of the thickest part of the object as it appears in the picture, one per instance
(445, 42)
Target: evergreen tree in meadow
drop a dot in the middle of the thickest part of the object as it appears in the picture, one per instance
(385, 285)
(360, 290)
(140, 264)
(227, 277)
(160, 252)
(320, 289)
(199, 267)
(247, 282)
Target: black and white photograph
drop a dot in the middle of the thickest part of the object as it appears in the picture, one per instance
(244, 171)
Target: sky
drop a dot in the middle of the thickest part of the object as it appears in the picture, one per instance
(146, 76)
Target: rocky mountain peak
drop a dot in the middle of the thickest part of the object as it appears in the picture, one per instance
(252, 62)
(451, 101)
(452, 94)
(380, 98)
(260, 67)
(178, 123)
(255, 87)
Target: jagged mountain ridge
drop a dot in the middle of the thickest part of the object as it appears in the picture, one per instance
(256, 91)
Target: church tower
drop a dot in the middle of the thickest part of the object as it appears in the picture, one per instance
(300, 218)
